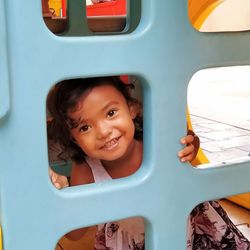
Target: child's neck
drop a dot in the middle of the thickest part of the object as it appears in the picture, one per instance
(126, 165)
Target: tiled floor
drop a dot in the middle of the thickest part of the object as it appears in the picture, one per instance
(239, 216)
(219, 141)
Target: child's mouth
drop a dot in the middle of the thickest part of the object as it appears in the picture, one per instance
(111, 144)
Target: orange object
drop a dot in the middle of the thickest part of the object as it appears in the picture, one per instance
(64, 8)
(199, 10)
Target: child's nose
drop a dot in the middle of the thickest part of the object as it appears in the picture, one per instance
(104, 130)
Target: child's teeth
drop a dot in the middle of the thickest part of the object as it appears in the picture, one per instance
(110, 143)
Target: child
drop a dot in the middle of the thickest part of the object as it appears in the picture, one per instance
(99, 125)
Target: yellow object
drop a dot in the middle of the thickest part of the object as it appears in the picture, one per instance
(241, 199)
(200, 157)
(56, 5)
(199, 10)
(1, 242)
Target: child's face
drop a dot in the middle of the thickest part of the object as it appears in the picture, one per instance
(106, 129)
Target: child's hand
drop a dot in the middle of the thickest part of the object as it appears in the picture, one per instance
(192, 143)
(59, 181)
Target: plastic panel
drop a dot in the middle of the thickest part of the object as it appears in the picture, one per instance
(4, 74)
(165, 51)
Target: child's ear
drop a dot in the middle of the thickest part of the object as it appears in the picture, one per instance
(133, 110)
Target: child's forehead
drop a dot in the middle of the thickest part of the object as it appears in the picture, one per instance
(98, 96)
(103, 91)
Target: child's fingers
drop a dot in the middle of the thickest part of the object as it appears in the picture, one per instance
(187, 150)
(59, 181)
(187, 158)
(60, 185)
(53, 176)
(57, 185)
(187, 139)
(186, 154)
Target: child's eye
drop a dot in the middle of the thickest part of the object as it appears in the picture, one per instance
(84, 128)
(111, 113)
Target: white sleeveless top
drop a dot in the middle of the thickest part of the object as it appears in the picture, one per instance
(127, 234)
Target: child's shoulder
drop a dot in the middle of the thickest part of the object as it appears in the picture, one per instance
(81, 174)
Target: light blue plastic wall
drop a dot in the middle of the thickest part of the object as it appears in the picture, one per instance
(165, 51)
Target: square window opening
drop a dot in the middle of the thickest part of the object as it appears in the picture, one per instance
(72, 18)
(106, 235)
(92, 120)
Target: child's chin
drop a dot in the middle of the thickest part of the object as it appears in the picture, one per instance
(113, 157)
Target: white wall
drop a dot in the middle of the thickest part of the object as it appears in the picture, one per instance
(231, 15)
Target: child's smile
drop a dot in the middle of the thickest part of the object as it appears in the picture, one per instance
(105, 127)
(111, 144)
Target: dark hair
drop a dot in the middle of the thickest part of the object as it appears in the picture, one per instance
(64, 97)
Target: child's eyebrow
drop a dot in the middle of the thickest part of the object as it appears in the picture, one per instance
(109, 104)
(78, 122)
